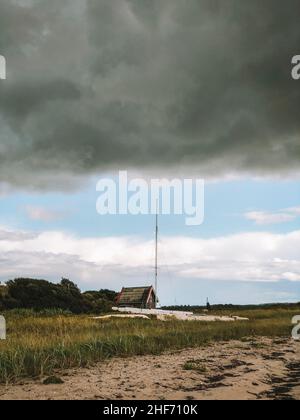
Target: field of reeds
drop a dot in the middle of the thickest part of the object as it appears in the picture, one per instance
(41, 344)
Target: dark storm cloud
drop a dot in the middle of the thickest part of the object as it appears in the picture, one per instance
(101, 84)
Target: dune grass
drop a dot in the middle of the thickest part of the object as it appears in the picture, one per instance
(39, 345)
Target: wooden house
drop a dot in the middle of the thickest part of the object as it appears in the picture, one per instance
(137, 297)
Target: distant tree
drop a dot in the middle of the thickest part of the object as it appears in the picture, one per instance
(39, 295)
(102, 300)
(106, 294)
(69, 285)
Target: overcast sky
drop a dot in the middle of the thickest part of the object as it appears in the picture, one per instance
(160, 87)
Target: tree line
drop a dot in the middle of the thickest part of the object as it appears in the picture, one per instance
(25, 293)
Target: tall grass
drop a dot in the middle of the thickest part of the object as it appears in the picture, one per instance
(37, 345)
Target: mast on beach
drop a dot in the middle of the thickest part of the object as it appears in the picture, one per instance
(156, 257)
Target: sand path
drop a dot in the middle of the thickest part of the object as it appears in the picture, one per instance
(257, 369)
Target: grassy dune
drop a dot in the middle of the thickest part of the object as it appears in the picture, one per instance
(39, 345)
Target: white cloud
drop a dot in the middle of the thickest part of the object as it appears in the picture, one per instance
(10, 235)
(292, 276)
(271, 218)
(294, 210)
(115, 261)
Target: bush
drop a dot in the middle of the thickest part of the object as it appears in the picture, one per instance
(41, 295)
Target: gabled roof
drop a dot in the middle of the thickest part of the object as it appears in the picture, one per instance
(134, 296)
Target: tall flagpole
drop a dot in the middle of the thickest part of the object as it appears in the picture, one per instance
(156, 256)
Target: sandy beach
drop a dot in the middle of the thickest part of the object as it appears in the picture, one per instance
(249, 370)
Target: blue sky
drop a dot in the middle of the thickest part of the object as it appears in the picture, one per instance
(226, 203)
